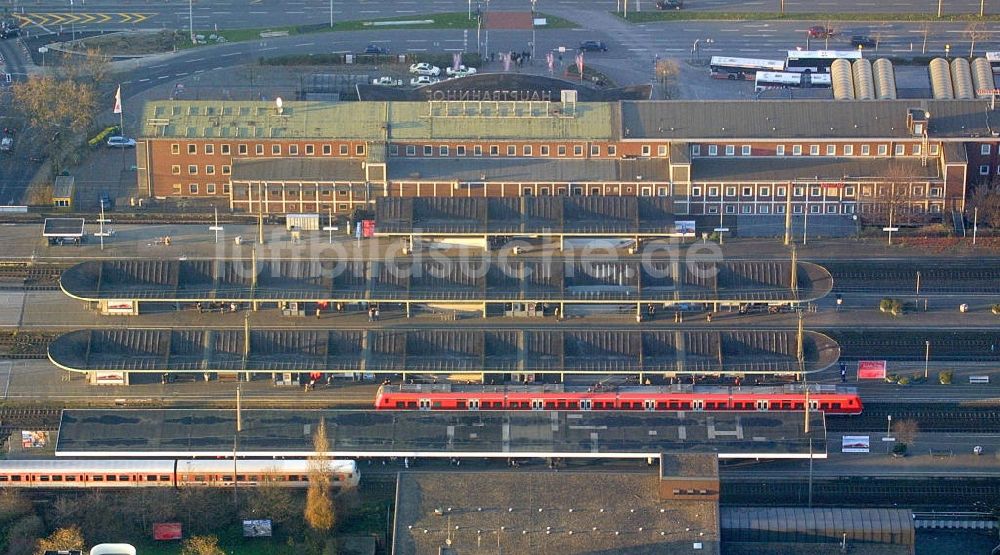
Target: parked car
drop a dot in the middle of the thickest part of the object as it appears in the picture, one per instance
(424, 68)
(373, 48)
(119, 141)
(107, 202)
(462, 71)
(669, 4)
(863, 41)
(387, 81)
(593, 46)
(6, 144)
(820, 32)
(9, 28)
(422, 80)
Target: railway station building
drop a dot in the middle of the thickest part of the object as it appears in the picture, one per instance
(912, 158)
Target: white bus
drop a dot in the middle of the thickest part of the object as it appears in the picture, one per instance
(818, 61)
(788, 79)
(742, 68)
(994, 59)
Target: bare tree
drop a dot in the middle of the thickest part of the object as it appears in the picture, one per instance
(891, 198)
(666, 71)
(319, 512)
(63, 539)
(925, 31)
(975, 31)
(906, 431)
(90, 67)
(984, 203)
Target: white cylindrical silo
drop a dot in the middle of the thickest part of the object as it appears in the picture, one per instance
(885, 79)
(864, 84)
(961, 79)
(842, 80)
(941, 79)
(982, 77)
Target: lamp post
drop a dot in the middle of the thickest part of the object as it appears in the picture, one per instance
(191, 19)
(888, 427)
(533, 12)
(72, 10)
(927, 356)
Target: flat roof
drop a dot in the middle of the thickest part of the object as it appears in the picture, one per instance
(501, 434)
(496, 279)
(297, 169)
(808, 169)
(63, 227)
(547, 512)
(441, 351)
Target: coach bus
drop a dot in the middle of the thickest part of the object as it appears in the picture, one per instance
(742, 68)
(994, 59)
(818, 61)
(788, 79)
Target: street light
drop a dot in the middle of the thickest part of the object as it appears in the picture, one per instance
(888, 428)
(927, 356)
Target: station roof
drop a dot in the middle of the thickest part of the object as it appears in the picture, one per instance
(421, 280)
(767, 525)
(297, 169)
(526, 215)
(810, 169)
(441, 351)
(63, 227)
(277, 433)
(546, 512)
(487, 87)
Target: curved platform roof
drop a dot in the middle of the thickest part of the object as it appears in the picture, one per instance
(394, 351)
(483, 278)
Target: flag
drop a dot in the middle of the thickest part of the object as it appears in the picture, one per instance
(456, 60)
(118, 100)
(551, 59)
(579, 64)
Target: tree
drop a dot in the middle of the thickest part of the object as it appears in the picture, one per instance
(984, 203)
(88, 67)
(51, 104)
(925, 31)
(906, 431)
(319, 504)
(891, 199)
(278, 503)
(666, 71)
(61, 539)
(201, 545)
(975, 31)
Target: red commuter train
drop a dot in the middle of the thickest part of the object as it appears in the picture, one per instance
(827, 398)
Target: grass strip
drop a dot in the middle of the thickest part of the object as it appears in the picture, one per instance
(689, 15)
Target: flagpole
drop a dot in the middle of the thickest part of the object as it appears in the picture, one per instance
(121, 119)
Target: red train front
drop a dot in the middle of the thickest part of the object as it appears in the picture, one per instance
(827, 398)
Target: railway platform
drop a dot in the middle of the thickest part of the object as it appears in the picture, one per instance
(486, 434)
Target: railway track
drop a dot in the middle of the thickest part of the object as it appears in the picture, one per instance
(958, 346)
(956, 277)
(949, 419)
(25, 345)
(27, 277)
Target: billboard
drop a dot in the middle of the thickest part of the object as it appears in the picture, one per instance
(855, 444)
(34, 440)
(871, 369)
(167, 531)
(684, 228)
(256, 528)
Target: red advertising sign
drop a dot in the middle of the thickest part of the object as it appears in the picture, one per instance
(871, 369)
(167, 531)
(367, 228)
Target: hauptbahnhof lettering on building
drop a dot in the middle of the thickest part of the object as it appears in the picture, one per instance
(913, 158)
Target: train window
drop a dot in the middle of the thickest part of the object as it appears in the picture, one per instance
(111, 477)
(561, 405)
(598, 404)
(227, 478)
(498, 404)
(824, 406)
(437, 404)
(43, 478)
(164, 478)
(411, 404)
(549, 405)
(661, 405)
(460, 404)
(710, 405)
(57, 478)
(15, 478)
(573, 405)
(241, 477)
(123, 478)
(150, 477)
(98, 478)
(254, 478)
(798, 406)
(400, 404)
(685, 405)
(3, 478)
(836, 406)
(295, 478)
(199, 478)
(71, 478)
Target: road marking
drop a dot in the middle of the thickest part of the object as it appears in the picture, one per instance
(143, 80)
(305, 44)
(10, 368)
(197, 60)
(163, 77)
(182, 74)
(231, 54)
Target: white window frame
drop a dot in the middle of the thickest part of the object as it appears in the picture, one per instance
(730, 150)
(831, 150)
(813, 150)
(695, 150)
(713, 150)
(745, 150)
(984, 150)
(780, 150)
(848, 150)
(796, 150)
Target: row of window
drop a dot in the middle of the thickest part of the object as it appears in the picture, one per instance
(985, 168)
(814, 150)
(243, 149)
(780, 192)
(155, 478)
(193, 188)
(192, 169)
(511, 150)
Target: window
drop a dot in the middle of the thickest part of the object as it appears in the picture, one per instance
(344, 150)
(193, 188)
(779, 150)
(175, 169)
(411, 150)
(544, 150)
(797, 209)
(494, 150)
(866, 150)
(984, 150)
(595, 150)
(259, 149)
(780, 191)
(831, 150)
(779, 209)
(745, 151)
(848, 150)
(849, 191)
(936, 192)
(645, 150)
(227, 170)
(192, 149)
(192, 169)
(883, 150)
(918, 191)
(814, 209)
(713, 191)
(696, 191)
(428, 150)
(359, 150)
(526, 192)
(460, 150)
(209, 149)
(209, 170)
(747, 191)
(328, 149)
(393, 150)
(561, 149)
(765, 191)
(730, 191)
(612, 150)
(276, 149)
(225, 149)
(177, 188)
(831, 208)
(915, 149)
(730, 209)
(293, 150)
(713, 209)
(241, 149)
(813, 150)
(310, 150)
(730, 150)
(695, 150)
(934, 150)
(210, 188)
(764, 209)
(526, 150)
(814, 191)
(747, 209)
(713, 150)
(511, 150)
(900, 149)
(477, 150)
(577, 150)
(798, 191)
(984, 170)
(175, 148)
(796, 150)
(661, 151)
(443, 150)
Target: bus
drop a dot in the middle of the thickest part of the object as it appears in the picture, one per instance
(742, 68)
(789, 79)
(994, 59)
(818, 61)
